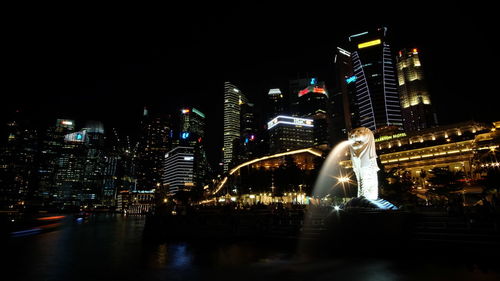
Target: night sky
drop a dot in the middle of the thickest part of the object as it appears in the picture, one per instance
(106, 63)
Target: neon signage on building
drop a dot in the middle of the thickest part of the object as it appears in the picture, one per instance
(288, 120)
(369, 44)
(315, 89)
(275, 91)
(395, 136)
(351, 79)
(76, 136)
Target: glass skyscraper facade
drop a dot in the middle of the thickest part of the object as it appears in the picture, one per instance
(313, 102)
(233, 98)
(376, 93)
(344, 105)
(179, 169)
(155, 140)
(192, 134)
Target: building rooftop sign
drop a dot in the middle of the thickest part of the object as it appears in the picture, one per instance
(275, 91)
(314, 89)
(395, 136)
(369, 44)
(288, 120)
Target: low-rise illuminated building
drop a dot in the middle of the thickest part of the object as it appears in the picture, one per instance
(453, 146)
(263, 174)
(289, 198)
(136, 202)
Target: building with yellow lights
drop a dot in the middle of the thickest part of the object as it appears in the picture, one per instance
(416, 107)
(464, 147)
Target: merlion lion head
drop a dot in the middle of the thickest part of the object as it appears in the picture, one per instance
(361, 139)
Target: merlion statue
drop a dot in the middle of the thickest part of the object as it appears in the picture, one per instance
(364, 162)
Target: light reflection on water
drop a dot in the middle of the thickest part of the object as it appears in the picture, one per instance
(111, 247)
(181, 258)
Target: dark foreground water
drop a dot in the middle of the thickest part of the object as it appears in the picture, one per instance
(111, 247)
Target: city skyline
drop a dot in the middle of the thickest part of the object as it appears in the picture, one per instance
(248, 141)
(109, 73)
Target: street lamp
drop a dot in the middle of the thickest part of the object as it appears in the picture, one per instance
(343, 179)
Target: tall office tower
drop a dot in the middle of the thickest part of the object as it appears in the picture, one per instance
(233, 99)
(109, 191)
(51, 150)
(95, 164)
(313, 103)
(119, 174)
(111, 177)
(289, 133)
(17, 166)
(376, 93)
(192, 134)
(245, 148)
(344, 103)
(155, 140)
(192, 125)
(179, 169)
(294, 87)
(415, 99)
(69, 180)
(276, 102)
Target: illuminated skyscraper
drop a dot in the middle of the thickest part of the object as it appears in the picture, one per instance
(276, 101)
(51, 148)
(93, 180)
(376, 93)
(345, 117)
(294, 87)
(179, 169)
(247, 146)
(415, 100)
(289, 133)
(70, 171)
(313, 102)
(17, 165)
(192, 127)
(233, 98)
(155, 140)
(192, 134)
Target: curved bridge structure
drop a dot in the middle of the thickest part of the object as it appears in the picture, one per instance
(310, 150)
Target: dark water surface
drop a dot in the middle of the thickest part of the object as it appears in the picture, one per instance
(111, 247)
